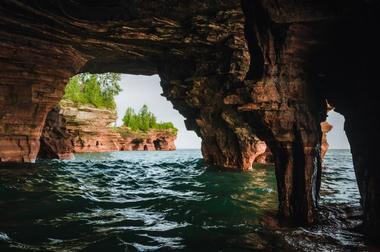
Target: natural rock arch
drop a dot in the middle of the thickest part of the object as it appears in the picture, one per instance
(191, 51)
(236, 70)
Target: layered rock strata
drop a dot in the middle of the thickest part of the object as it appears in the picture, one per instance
(90, 128)
(151, 140)
(240, 72)
(71, 128)
(56, 141)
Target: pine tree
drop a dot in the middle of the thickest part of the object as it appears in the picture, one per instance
(144, 120)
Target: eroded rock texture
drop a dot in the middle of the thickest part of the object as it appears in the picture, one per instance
(71, 128)
(153, 140)
(240, 72)
(198, 49)
(56, 141)
(325, 127)
(90, 128)
(305, 48)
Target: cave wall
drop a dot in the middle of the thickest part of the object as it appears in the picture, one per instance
(349, 63)
(55, 140)
(285, 105)
(198, 49)
(318, 50)
(240, 72)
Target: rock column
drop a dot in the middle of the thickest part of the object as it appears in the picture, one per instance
(286, 107)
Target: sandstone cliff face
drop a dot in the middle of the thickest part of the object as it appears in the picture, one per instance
(70, 128)
(90, 128)
(151, 140)
(325, 127)
(197, 48)
(239, 71)
(56, 141)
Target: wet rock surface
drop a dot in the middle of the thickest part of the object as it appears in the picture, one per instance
(240, 72)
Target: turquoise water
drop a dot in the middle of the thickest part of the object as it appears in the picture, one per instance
(152, 201)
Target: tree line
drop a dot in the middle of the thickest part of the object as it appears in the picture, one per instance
(144, 120)
(100, 90)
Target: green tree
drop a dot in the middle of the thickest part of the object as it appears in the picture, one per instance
(152, 121)
(144, 120)
(96, 89)
(129, 114)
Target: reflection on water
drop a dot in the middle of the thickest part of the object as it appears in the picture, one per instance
(143, 201)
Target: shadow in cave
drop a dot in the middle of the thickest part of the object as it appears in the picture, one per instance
(340, 217)
(338, 176)
(339, 211)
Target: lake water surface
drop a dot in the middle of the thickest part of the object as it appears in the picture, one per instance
(166, 201)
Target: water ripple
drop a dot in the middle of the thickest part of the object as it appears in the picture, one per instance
(145, 201)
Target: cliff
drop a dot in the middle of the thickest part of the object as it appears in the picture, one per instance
(151, 140)
(325, 127)
(56, 141)
(90, 128)
(72, 128)
(238, 71)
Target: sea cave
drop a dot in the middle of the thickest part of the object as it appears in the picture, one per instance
(254, 79)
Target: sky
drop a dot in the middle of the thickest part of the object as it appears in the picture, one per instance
(139, 90)
(337, 138)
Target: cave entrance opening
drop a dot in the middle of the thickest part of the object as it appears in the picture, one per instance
(138, 90)
(114, 112)
(338, 184)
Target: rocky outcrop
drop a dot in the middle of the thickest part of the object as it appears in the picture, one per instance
(325, 127)
(71, 128)
(56, 142)
(90, 128)
(241, 72)
(151, 140)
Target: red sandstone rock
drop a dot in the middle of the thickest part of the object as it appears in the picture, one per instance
(90, 128)
(238, 78)
(326, 127)
(79, 129)
(55, 140)
(151, 141)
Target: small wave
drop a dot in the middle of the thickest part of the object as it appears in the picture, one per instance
(4, 237)
(139, 201)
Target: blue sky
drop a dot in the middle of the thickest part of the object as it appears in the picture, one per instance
(139, 90)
